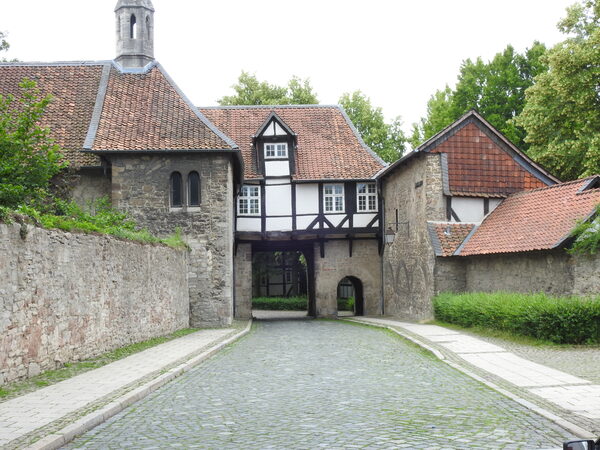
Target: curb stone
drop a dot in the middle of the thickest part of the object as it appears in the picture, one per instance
(567, 425)
(58, 439)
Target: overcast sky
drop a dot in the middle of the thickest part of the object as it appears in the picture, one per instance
(398, 52)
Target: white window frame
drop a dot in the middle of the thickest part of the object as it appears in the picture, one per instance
(369, 194)
(248, 203)
(334, 197)
(279, 150)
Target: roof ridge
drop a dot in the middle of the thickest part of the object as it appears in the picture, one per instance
(305, 106)
(554, 186)
(56, 63)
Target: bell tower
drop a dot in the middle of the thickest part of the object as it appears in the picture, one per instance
(135, 33)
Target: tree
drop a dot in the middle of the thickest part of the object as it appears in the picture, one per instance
(250, 91)
(562, 112)
(385, 139)
(495, 89)
(29, 158)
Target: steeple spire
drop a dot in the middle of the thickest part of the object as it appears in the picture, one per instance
(135, 33)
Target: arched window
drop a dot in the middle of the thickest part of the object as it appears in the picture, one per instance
(176, 190)
(148, 31)
(133, 27)
(194, 189)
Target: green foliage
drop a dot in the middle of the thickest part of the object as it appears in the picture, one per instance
(29, 158)
(565, 320)
(4, 45)
(385, 139)
(102, 219)
(495, 89)
(72, 369)
(345, 304)
(280, 303)
(562, 114)
(587, 236)
(250, 91)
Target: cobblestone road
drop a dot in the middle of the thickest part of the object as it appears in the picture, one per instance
(315, 384)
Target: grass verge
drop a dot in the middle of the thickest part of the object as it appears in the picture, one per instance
(70, 370)
(294, 303)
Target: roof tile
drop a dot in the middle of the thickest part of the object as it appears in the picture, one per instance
(328, 148)
(540, 219)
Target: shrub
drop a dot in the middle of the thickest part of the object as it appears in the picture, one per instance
(280, 304)
(563, 320)
(587, 236)
(345, 304)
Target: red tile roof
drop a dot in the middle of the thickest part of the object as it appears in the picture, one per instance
(98, 107)
(446, 237)
(328, 146)
(535, 220)
(74, 88)
(478, 166)
(146, 112)
(479, 161)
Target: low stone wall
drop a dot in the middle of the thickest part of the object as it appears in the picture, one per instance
(66, 297)
(552, 272)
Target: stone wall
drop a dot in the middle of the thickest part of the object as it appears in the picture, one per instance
(243, 281)
(365, 264)
(91, 185)
(415, 191)
(550, 272)
(140, 186)
(66, 297)
(586, 275)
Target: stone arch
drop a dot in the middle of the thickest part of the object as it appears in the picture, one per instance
(359, 299)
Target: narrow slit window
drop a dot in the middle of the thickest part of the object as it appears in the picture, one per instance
(148, 31)
(194, 189)
(133, 27)
(176, 190)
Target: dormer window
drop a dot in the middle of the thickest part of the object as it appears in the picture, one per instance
(278, 150)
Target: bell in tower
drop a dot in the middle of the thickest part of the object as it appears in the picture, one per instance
(135, 33)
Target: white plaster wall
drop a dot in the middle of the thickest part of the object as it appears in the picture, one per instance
(279, 224)
(468, 209)
(248, 224)
(302, 222)
(277, 168)
(362, 220)
(278, 200)
(307, 199)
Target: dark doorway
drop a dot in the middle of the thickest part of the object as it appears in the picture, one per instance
(282, 273)
(350, 296)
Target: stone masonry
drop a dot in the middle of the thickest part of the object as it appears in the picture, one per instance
(416, 193)
(243, 281)
(140, 186)
(66, 296)
(365, 264)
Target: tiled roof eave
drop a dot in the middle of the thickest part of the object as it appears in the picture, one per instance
(161, 151)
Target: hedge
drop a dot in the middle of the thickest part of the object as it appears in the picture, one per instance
(562, 320)
(295, 303)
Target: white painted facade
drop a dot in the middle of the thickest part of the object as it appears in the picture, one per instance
(472, 209)
(293, 206)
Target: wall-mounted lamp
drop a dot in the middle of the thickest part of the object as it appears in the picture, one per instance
(389, 236)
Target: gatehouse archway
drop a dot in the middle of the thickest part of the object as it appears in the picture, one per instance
(350, 296)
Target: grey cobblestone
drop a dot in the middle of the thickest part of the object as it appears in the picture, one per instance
(322, 384)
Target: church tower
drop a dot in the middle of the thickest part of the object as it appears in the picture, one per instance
(135, 33)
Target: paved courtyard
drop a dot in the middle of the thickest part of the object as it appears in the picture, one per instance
(311, 384)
